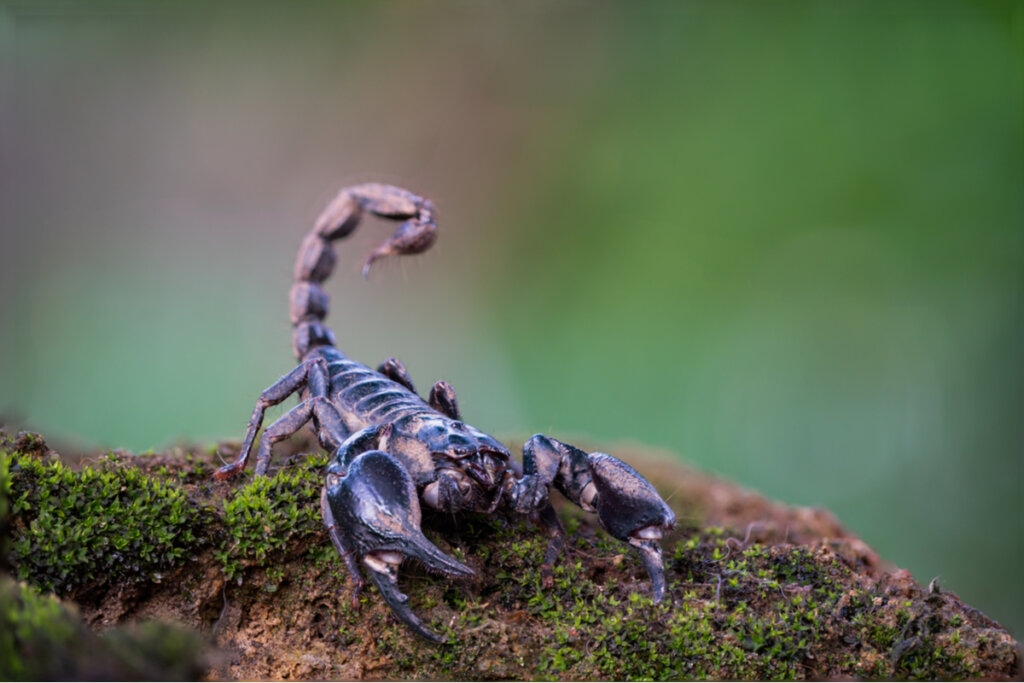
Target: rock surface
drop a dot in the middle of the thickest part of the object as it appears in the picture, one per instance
(756, 589)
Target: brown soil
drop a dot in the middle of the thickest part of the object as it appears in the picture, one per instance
(737, 564)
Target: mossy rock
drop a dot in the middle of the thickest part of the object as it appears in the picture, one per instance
(42, 638)
(756, 590)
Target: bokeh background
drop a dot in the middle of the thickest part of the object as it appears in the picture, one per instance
(784, 241)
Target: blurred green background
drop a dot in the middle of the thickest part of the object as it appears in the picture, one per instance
(785, 241)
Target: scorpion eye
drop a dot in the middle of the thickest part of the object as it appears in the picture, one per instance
(432, 431)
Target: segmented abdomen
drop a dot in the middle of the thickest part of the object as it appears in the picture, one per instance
(365, 397)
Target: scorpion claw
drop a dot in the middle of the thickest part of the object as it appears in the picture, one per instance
(385, 575)
(627, 505)
(650, 555)
(375, 506)
(630, 508)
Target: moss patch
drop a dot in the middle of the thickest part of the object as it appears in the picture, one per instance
(249, 564)
(41, 638)
(268, 515)
(104, 524)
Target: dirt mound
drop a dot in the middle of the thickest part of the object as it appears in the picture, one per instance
(755, 589)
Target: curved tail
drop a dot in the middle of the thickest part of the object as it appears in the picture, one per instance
(308, 300)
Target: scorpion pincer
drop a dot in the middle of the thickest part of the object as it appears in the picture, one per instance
(392, 451)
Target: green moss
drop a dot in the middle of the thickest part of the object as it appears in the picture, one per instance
(923, 656)
(109, 523)
(5, 510)
(33, 628)
(733, 611)
(764, 612)
(43, 639)
(881, 636)
(269, 514)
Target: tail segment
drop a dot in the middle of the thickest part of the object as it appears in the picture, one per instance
(308, 301)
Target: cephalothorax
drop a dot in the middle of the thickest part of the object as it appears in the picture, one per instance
(391, 449)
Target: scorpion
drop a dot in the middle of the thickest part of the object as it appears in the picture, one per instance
(389, 449)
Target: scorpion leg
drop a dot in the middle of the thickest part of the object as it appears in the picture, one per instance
(442, 396)
(442, 399)
(371, 506)
(320, 409)
(276, 393)
(395, 371)
(627, 506)
(331, 431)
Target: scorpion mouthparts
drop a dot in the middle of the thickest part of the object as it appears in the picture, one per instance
(479, 473)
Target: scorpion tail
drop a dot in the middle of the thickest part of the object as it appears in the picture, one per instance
(308, 301)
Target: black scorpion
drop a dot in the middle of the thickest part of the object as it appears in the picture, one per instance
(391, 449)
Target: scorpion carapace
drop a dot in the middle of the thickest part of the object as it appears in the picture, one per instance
(392, 450)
